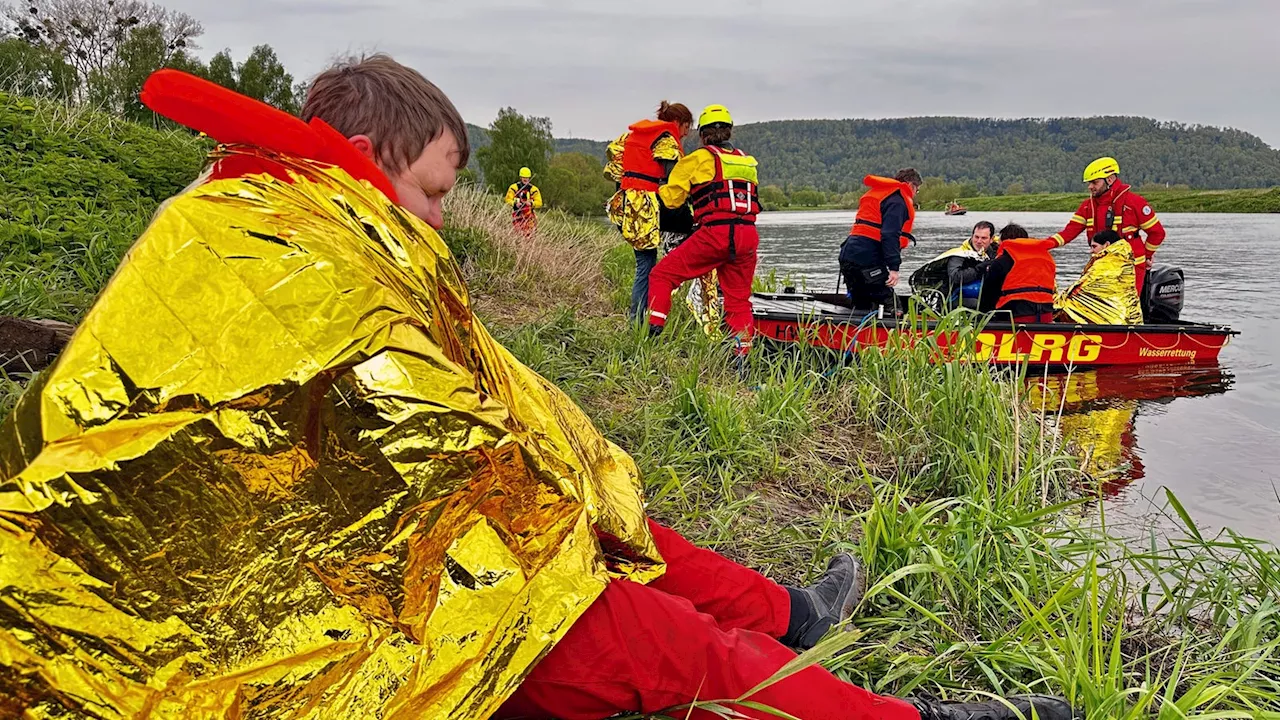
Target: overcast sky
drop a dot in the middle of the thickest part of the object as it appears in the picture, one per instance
(594, 66)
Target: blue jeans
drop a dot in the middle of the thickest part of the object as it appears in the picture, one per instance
(645, 260)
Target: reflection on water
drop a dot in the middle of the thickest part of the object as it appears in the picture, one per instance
(1213, 442)
(1098, 410)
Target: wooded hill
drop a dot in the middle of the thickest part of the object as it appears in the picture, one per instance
(996, 155)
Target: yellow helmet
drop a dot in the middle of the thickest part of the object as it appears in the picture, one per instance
(713, 114)
(526, 172)
(1101, 168)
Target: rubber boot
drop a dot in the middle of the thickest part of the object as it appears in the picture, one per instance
(831, 600)
(655, 330)
(1018, 707)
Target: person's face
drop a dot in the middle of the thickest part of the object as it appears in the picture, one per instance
(1097, 187)
(684, 130)
(423, 184)
(1096, 248)
(980, 239)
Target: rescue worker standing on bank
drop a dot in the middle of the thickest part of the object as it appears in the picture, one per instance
(1022, 278)
(524, 197)
(640, 160)
(721, 182)
(871, 255)
(1113, 205)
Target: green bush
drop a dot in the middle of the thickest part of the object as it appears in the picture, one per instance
(576, 184)
(76, 189)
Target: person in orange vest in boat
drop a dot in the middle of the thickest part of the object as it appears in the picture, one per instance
(1113, 205)
(639, 161)
(524, 197)
(1022, 278)
(871, 256)
(721, 183)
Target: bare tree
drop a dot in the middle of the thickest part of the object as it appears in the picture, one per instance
(89, 33)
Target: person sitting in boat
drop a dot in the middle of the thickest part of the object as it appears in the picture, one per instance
(1106, 293)
(1021, 280)
(956, 275)
(965, 272)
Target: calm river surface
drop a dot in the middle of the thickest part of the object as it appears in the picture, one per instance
(1209, 434)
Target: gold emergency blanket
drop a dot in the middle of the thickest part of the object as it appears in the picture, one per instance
(1106, 293)
(282, 471)
(636, 213)
(1098, 427)
(1098, 435)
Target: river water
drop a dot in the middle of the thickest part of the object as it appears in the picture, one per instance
(1210, 434)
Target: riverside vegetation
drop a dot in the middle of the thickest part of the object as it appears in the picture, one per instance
(1166, 200)
(990, 565)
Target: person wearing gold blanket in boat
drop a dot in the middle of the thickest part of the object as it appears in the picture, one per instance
(1105, 294)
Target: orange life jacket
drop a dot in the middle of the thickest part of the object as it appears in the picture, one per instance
(867, 223)
(640, 171)
(1033, 275)
(735, 198)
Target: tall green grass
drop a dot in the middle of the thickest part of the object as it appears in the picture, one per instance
(76, 187)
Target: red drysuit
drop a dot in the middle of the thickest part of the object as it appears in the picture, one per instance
(1126, 212)
(704, 631)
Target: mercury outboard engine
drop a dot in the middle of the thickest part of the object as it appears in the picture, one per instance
(1162, 295)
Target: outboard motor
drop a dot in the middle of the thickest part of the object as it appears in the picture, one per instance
(1162, 295)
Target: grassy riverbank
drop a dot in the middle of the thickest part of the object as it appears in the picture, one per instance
(991, 569)
(1165, 201)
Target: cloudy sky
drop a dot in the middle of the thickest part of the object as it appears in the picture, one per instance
(594, 66)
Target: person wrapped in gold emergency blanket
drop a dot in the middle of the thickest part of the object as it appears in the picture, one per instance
(1105, 294)
(282, 467)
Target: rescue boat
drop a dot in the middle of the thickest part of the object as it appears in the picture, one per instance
(955, 209)
(829, 321)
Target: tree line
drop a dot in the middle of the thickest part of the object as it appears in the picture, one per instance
(821, 163)
(1006, 156)
(99, 52)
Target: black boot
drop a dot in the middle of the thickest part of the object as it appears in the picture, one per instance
(655, 330)
(1045, 706)
(829, 601)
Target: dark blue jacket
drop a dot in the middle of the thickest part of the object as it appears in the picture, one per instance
(865, 252)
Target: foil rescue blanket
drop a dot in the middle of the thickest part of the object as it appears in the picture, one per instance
(1106, 293)
(281, 471)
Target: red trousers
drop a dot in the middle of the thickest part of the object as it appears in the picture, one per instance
(707, 249)
(525, 222)
(705, 631)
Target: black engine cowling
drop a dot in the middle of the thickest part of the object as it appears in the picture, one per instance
(1163, 293)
